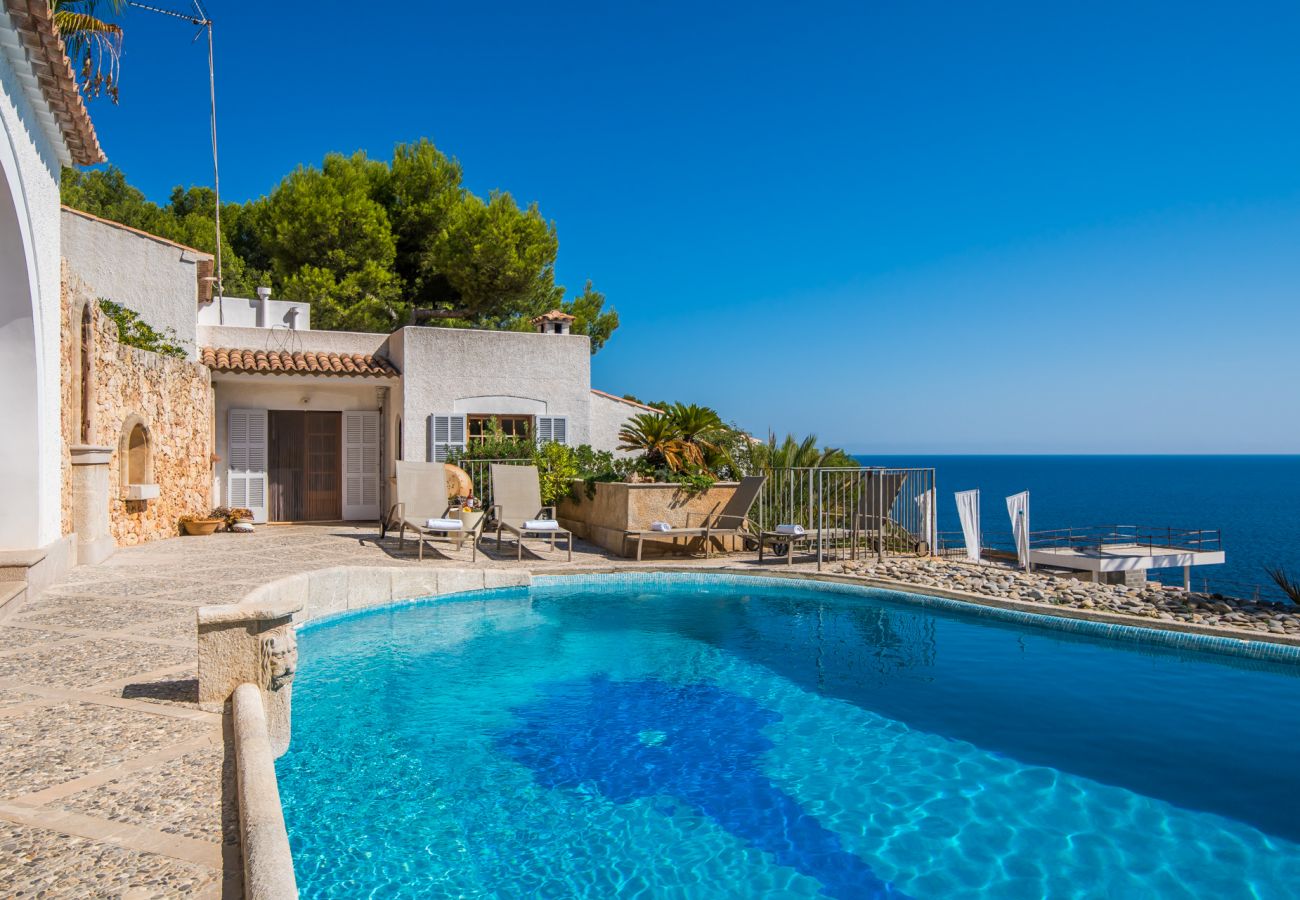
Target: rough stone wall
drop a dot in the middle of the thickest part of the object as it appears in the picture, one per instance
(171, 396)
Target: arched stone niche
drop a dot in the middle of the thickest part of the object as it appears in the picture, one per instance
(135, 460)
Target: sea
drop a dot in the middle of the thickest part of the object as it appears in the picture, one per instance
(1254, 501)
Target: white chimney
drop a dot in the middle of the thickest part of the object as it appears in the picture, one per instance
(263, 299)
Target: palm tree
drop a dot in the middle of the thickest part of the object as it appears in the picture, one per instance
(660, 439)
(92, 44)
(1283, 580)
(795, 454)
(703, 428)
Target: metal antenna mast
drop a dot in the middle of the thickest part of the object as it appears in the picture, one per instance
(200, 19)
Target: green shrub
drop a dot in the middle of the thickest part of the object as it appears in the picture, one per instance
(136, 332)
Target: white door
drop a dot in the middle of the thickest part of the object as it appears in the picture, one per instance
(246, 461)
(361, 465)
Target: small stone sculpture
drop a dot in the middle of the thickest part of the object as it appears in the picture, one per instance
(279, 659)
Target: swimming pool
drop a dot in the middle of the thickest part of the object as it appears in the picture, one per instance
(655, 736)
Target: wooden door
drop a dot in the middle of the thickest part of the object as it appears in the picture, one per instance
(306, 471)
(324, 501)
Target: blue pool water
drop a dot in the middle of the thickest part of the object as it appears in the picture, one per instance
(659, 737)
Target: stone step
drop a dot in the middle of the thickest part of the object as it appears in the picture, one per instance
(12, 594)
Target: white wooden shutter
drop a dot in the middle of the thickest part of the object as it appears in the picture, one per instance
(361, 465)
(552, 428)
(246, 461)
(446, 433)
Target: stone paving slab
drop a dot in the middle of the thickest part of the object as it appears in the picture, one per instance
(99, 614)
(19, 636)
(181, 796)
(60, 741)
(38, 863)
(88, 662)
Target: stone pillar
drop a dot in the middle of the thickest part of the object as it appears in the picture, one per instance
(90, 503)
(251, 642)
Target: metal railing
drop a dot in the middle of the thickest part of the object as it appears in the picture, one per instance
(854, 512)
(480, 474)
(1089, 536)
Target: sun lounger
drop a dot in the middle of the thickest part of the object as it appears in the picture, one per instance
(517, 508)
(422, 506)
(700, 533)
(733, 521)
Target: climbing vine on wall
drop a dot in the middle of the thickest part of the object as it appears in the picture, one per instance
(136, 332)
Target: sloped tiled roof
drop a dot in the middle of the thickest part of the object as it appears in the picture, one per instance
(617, 399)
(50, 68)
(554, 315)
(288, 362)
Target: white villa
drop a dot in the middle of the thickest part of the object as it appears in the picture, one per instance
(108, 445)
(309, 424)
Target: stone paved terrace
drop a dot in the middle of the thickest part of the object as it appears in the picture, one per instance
(114, 784)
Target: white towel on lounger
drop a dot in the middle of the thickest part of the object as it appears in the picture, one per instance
(541, 525)
(660, 526)
(795, 530)
(444, 525)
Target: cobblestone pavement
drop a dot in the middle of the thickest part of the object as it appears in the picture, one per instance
(112, 782)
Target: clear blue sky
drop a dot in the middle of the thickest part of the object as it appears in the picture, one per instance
(906, 226)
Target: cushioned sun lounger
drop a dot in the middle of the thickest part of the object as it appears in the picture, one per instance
(517, 508)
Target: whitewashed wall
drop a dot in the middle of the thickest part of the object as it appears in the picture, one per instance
(607, 419)
(241, 312)
(447, 370)
(154, 277)
(283, 339)
(29, 316)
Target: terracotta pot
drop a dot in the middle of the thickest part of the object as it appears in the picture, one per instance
(202, 526)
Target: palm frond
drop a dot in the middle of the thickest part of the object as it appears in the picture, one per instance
(1283, 580)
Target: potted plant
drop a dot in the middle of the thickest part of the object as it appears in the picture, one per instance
(240, 520)
(194, 525)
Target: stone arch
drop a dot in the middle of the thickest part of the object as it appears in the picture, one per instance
(22, 421)
(135, 452)
(83, 373)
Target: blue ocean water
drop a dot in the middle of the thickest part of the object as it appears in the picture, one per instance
(1254, 500)
(731, 740)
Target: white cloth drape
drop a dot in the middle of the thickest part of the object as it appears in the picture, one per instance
(968, 511)
(1018, 509)
(925, 505)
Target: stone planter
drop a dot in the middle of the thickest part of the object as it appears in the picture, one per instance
(618, 508)
(202, 526)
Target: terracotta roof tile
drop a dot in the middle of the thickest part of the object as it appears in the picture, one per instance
(35, 26)
(554, 315)
(234, 359)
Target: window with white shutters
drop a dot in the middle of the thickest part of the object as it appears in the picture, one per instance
(552, 428)
(360, 465)
(246, 461)
(446, 434)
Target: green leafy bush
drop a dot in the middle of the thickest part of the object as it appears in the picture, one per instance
(136, 332)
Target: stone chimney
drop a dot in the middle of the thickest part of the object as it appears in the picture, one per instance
(553, 322)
